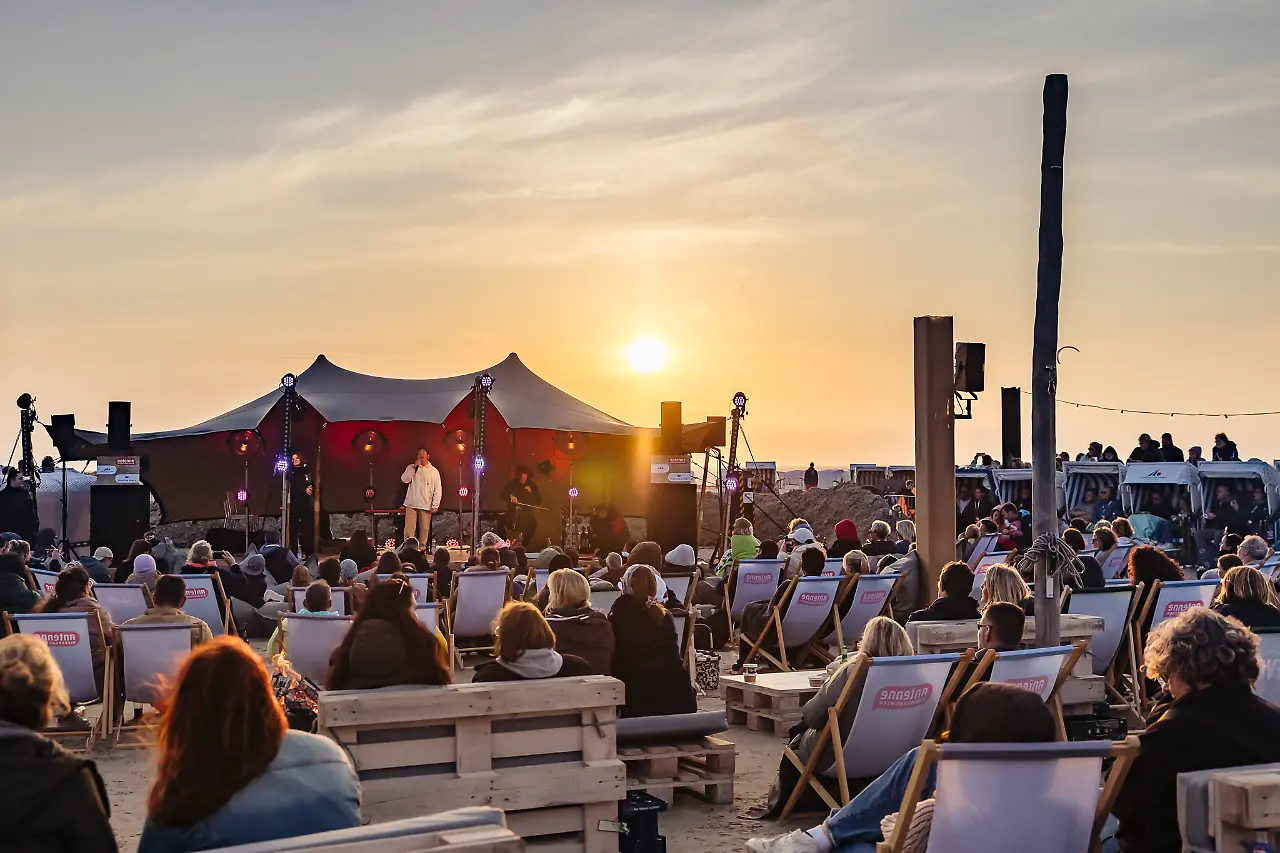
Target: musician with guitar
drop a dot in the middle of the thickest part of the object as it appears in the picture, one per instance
(521, 496)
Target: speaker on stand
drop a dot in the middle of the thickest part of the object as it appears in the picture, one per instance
(118, 515)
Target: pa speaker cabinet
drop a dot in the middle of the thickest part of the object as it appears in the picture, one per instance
(118, 514)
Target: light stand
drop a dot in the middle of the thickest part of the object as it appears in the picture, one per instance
(483, 385)
(287, 386)
(245, 444)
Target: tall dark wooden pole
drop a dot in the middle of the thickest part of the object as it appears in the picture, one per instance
(1044, 351)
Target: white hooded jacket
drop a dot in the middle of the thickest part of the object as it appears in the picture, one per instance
(424, 487)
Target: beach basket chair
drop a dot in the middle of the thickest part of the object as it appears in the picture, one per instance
(122, 600)
(900, 705)
(67, 636)
(996, 797)
(338, 594)
(208, 601)
(871, 596)
(481, 596)
(312, 639)
(153, 655)
(809, 603)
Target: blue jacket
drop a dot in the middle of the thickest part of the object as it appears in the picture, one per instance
(309, 787)
(1107, 510)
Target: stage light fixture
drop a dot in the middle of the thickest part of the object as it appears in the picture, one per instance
(282, 464)
(25, 401)
(731, 483)
(288, 381)
(486, 381)
(463, 491)
(370, 493)
(570, 444)
(739, 400)
(573, 493)
(242, 496)
(479, 463)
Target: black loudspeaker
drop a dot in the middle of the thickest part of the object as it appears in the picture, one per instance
(117, 516)
(62, 429)
(971, 362)
(118, 425)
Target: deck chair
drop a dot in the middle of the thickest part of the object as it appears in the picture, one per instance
(153, 655)
(985, 544)
(603, 599)
(681, 585)
(1048, 797)
(428, 613)
(1042, 671)
(1176, 597)
(1117, 562)
(809, 603)
(684, 639)
(900, 704)
(757, 580)
(1268, 684)
(481, 596)
(67, 636)
(423, 588)
(1113, 649)
(45, 581)
(312, 639)
(871, 596)
(122, 600)
(534, 589)
(833, 567)
(993, 558)
(338, 594)
(206, 600)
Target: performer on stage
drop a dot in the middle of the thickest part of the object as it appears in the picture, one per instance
(520, 495)
(301, 505)
(422, 498)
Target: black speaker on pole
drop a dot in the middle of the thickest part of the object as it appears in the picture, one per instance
(118, 425)
(62, 429)
(971, 362)
(118, 514)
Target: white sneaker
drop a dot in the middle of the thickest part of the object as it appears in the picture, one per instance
(797, 841)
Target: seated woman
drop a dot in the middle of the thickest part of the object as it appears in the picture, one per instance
(580, 630)
(1004, 584)
(967, 543)
(53, 800)
(906, 529)
(646, 656)
(988, 713)
(1209, 718)
(71, 595)
(880, 542)
(1084, 510)
(330, 571)
(1147, 564)
(1090, 569)
(388, 645)
(16, 593)
(360, 549)
(846, 540)
(228, 768)
(955, 596)
(442, 568)
(525, 647)
(1104, 545)
(881, 638)
(1246, 594)
(1123, 531)
(757, 615)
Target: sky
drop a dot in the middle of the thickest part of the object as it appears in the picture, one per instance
(196, 198)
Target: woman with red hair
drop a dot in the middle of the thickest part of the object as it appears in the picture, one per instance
(228, 768)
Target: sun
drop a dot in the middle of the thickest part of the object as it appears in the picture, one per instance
(646, 355)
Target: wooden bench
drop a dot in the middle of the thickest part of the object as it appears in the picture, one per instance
(543, 751)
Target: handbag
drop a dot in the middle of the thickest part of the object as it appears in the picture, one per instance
(706, 666)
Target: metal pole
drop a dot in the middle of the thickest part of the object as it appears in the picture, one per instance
(246, 504)
(729, 499)
(1045, 351)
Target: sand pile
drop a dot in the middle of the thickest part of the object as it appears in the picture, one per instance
(822, 508)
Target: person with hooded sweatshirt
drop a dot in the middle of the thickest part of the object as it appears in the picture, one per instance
(16, 594)
(846, 539)
(579, 628)
(646, 655)
(53, 800)
(144, 571)
(525, 649)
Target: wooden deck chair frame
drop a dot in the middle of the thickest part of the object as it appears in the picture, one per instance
(1054, 700)
(692, 575)
(1124, 662)
(101, 728)
(775, 623)
(831, 732)
(456, 652)
(1139, 647)
(849, 588)
(144, 732)
(1124, 752)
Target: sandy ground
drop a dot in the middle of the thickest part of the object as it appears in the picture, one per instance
(691, 826)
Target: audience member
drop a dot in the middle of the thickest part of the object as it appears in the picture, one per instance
(441, 564)
(1003, 583)
(228, 768)
(169, 597)
(1104, 545)
(579, 629)
(1107, 508)
(906, 529)
(330, 571)
(1148, 564)
(16, 593)
(1224, 449)
(955, 599)
(880, 542)
(280, 560)
(1123, 531)
(411, 555)
(1246, 594)
(388, 645)
(1169, 452)
(53, 800)
(71, 595)
(647, 656)
(1090, 576)
(360, 549)
(144, 572)
(317, 600)
(1084, 510)
(99, 565)
(846, 540)
(855, 563)
(967, 543)
(525, 648)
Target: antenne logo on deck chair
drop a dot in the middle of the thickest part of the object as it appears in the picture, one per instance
(1173, 608)
(873, 596)
(197, 592)
(1034, 683)
(59, 638)
(818, 598)
(909, 696)
(49, 588)
(757, 577)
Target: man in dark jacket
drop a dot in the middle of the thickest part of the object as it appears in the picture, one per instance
(15, 595)
(98, 565)
(17, 509)
(280, 560)
(411, 555)
(956, 601)
(810, 477)
(1170, 452)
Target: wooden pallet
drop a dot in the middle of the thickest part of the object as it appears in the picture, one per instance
(702, 768)
(764, 707)
(567, 829)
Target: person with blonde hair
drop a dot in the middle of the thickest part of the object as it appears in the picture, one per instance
(879, 542)
(525, 648)
(1209, 718)
(906, 530)
(1246, 594)
(53, 799)
(882, 637)
(855, 563)
(579, 628)
(1004, 584)
(743, 544)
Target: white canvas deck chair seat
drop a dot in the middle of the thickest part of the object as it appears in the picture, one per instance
(757, 580)
(1114, 656)
(67, 636)
(681, 585)
(986, 545)
(994, 558)
(871, 596)
(603, 599)
(1041, 671)
(1169, 599)
(312, 639)
(899, 707)
(533, 590)
(809, 603)
(122, 600)
(423, 588)
(338, 595)
(1268, 684)
(206, 600)
(153, 655)
(481, 596)
(1014, 797)
(45, 581)
(428, 613)
(833, 567)
(1115, 566)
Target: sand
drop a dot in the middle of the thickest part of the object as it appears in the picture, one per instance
(691, 826)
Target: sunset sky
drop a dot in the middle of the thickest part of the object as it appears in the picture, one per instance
(198, 198)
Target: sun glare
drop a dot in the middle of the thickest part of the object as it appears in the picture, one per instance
(646, 355)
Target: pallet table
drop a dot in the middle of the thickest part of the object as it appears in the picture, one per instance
(703, 768)
(770, 705)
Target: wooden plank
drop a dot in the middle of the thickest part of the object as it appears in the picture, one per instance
(599, 733)
(541, 786)
(393, 799)
(480, 839)
(474, 745)
(598, 840)
(412, 753)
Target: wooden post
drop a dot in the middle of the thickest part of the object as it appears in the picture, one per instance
(935, 449)
(1044, 352)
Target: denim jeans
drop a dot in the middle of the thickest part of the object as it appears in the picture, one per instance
(860, 820)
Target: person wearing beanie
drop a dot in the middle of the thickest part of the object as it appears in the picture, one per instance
(144, 571)
(256, 616)
(846, 539)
